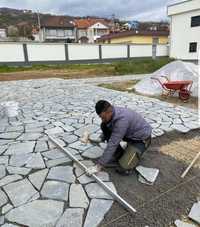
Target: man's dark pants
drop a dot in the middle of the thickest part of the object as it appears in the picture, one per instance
(127, 158)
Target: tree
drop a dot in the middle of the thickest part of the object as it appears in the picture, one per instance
(13, 32)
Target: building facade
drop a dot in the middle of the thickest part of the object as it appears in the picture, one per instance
(185, 30)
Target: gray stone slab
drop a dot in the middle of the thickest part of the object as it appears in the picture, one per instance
(20, 148)
(179, 223)
(84, 179)
(56, 162)
(41, 146)
(6, 208)
(78, 201)
(3, 198)
(69, 138)
(62, 173)
(2, 220)
(72, 217)
(4, 142)
(93, 152)
(89, 128)
(20, 160)
(18, 170)
(4, 160)
(54, 154)
(29, 136)
(180, 128)
(2, 171)
(192, 124)
(20, 192)
(52, 145)
(36, 162)
(37, 213)
(150, 174)
(8, 179)
(9, 225)
(10, 135)
(95, 191)
(55, 190)
(96, 138)
(97, 209)
(3, 148)
(80, 146)
(38, 178)
(79, 171)
(55, 130)
(195, 212)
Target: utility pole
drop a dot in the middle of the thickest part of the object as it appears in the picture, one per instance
(39, 25)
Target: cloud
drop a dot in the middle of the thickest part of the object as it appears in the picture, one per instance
(124, 9)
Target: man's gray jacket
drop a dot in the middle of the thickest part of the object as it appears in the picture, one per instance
(124, 123)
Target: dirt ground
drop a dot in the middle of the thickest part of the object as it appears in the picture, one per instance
(128, 85)
(171, 197)
(58, 73)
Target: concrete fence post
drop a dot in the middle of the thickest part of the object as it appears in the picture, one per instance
(25, 53)
(66, 52)
(128, 51)
(100, 52)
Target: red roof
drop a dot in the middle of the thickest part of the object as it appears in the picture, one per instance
(58, 22)
(133, 33)
(86, 23)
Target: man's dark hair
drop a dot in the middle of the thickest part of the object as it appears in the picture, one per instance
(102, 106)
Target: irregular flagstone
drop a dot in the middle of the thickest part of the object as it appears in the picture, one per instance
(89, 128)
(2, 220)
(71, 217)
(34, 130)
(10, 135)
(4, 160)
(179, 223)
(68, 128)
(150, 174)
(192, 124)
(20, 192)
(95, 191)
(36, 162)
(18, 170)
(55, 190)
(52, 145)
(157, 132)
(9, 225)
(20, 148)
(2, 171)
(29, 136)
(6, 208)
(37, 213)
(38, 178)
(93, 152)
(84, 179)
(69, 138)
(62, 173)
(3, 148)
(41, 146)
(55, 130)
(59, 161)
(3, 198)
(16, 128)
(79, 171)
(95, 138)
(80, 146)
(8, 179)
(4, 142)
(195, 212)
(98, 208)
(180, 128)
(54, 154)
(20, 160)
(78, 197)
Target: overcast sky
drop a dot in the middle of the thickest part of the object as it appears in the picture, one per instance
(143, 10)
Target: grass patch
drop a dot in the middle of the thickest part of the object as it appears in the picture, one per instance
(137, 66)
(120, 86)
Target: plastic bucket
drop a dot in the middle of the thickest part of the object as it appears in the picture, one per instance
(11, 108)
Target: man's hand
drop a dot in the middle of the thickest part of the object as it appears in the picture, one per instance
(93, 169)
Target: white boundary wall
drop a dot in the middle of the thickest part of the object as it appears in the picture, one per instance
(60, 52)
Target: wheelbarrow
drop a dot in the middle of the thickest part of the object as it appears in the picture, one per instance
(183, 87)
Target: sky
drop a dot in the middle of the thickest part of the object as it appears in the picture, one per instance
(145, 10)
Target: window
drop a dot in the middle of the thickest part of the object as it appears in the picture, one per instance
(193, 47)
(60, 33)
(195, 21)
(68, 33)
(51, 32)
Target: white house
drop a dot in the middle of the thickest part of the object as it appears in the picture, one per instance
(185, 30)
(3, 33)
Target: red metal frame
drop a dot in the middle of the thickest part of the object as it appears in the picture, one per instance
(183, 87)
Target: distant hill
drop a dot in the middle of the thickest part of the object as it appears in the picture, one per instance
(14, 17)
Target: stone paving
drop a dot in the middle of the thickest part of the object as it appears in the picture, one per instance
(40, 185)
